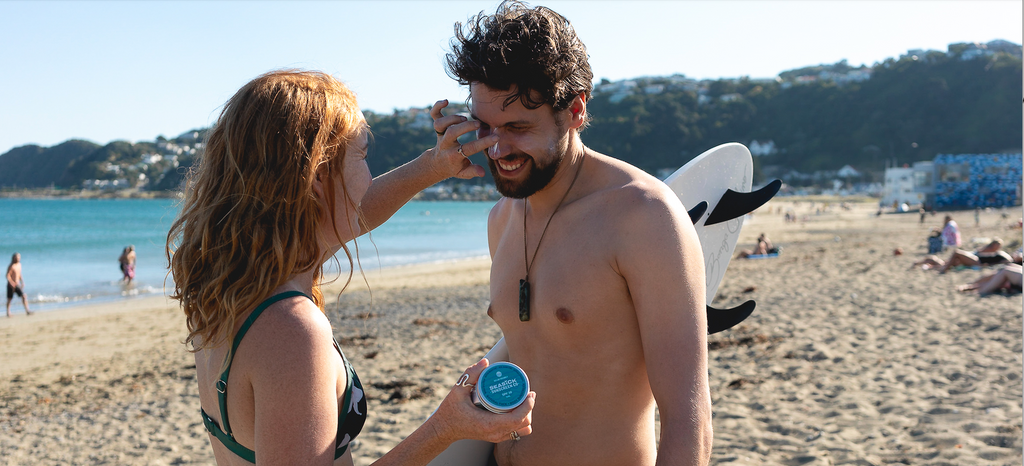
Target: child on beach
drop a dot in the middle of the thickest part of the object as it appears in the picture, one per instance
(282, 186)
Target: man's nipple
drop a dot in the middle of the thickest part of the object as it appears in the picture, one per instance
(564, 315)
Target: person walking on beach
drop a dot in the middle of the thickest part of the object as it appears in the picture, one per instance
(597, 277)
(16, 284)
(127, 261)
(282, 185)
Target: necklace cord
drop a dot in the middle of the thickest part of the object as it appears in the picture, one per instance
(545, 230)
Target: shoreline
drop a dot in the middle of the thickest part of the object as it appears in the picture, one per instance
(399, 270)
(55, 193)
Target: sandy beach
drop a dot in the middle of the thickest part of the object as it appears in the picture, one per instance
(851, 357)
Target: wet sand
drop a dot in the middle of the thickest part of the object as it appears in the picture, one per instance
(851, 357)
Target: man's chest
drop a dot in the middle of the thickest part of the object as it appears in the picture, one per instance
(572, 283)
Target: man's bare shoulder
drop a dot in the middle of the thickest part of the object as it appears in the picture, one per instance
(633, 189)
(500, 212)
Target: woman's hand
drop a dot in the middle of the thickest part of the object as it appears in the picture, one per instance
(450, 158)
(458, 418)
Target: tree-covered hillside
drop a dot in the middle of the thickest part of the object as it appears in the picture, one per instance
(909, 110)
(817, 118)
(40, 167)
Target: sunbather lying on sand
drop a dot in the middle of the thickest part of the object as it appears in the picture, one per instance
(990, 254)
(1008, 277)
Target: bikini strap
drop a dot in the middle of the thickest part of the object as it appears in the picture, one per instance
(222, 384)
(346, 403)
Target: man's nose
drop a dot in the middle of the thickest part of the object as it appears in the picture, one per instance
(500, 148)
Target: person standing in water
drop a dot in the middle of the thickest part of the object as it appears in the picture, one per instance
(127, 261)
(16, 284)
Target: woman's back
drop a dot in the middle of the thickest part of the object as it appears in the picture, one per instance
(287, 351)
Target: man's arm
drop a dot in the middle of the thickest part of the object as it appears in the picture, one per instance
(663, 266)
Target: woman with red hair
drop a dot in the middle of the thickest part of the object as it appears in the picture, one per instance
(282, 185)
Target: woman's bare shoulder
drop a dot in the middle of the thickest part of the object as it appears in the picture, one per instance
(290, 334)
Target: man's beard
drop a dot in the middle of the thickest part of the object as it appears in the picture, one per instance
(538, 177)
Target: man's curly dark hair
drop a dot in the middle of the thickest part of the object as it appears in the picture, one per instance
(533, 49)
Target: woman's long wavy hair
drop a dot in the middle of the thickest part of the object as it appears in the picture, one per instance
(250, 219)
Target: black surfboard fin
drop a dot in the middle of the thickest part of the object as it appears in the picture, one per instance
(724, 319)
(697, 211)
(734, 204)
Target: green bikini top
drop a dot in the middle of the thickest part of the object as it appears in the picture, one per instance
(350, 419)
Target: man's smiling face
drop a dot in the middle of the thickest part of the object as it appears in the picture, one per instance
(531, 144)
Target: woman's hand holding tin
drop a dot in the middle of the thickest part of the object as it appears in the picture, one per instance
(458, 418)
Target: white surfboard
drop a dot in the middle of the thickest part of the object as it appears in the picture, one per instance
(705, 178)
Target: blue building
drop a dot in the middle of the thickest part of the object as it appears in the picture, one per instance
(966, 181)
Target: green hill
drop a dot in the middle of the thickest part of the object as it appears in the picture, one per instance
(813, 119)
(40, 167)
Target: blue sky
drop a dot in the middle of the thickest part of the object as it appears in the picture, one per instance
(104, 71)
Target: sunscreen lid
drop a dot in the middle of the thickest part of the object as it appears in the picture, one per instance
(502, 387)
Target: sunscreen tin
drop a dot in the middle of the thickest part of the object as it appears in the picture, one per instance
(501, 388)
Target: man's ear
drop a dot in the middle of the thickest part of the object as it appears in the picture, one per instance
(578, 111)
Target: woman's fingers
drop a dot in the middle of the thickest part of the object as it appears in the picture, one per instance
(519, 420)
(442, 122)
(525, 412)
(450, 157)
(454, 127)
(477, 145)
(471, 171)
(435, 111)
(445, 125)
(472, 373)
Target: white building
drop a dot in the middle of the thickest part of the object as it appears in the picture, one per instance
(911, 185)
(899, 187)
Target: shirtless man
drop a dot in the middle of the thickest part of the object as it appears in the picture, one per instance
(613, 322)
(16, 284)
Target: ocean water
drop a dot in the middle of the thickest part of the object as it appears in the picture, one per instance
(69, 247)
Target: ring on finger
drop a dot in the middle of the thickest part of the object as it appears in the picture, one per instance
(514, 436)
(462, 153)
(464, 381)
(439, 133)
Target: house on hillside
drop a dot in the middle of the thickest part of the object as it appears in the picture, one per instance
(758, 148)
(961, 181)
(847, 172)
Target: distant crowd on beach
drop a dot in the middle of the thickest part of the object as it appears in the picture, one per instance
(16, 281)
(945, 245)
(992, 253)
